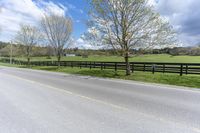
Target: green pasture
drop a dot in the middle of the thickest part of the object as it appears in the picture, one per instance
(138, 58)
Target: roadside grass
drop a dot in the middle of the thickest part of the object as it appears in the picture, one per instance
(136, 58)
(171, 79)
(10, 65)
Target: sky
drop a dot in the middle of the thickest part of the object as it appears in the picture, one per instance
(183, 15)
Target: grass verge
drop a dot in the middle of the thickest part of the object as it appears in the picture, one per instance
(171, 79)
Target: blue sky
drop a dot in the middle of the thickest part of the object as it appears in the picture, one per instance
(15, 12)
(77, 9)
(183, 15)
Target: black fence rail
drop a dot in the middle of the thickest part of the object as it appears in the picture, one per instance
(179, 68)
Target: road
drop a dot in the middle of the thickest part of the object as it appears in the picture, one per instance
(34, 101)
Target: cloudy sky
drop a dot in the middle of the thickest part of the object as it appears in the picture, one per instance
(184, 15)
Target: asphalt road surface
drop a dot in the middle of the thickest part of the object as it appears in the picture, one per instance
(42, 102)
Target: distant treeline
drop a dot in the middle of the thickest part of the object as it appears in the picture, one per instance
(19, 50)
(192, 51)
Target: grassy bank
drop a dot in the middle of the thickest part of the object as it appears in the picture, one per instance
(171, 79)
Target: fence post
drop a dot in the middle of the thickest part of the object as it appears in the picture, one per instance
(186, 71)
(101, 66)
(181, 70)
(144, 69)
(163, 68)
(132, 67)
(115, 66)
(80, 64)
(90, 65)
(153, 68)
(72, 64)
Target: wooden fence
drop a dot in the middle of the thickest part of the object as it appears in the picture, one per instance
(179, 68)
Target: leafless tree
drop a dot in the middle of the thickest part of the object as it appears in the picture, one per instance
(29, 36)
(128, 24)
(58, 30)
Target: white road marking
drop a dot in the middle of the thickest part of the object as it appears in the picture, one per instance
(69, 92)
(99, 101)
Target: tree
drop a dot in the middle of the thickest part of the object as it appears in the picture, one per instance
(58, 30)
(29, 36)
(93, 36)
(128, 24)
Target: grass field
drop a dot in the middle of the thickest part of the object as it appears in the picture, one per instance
(139, 58)
(171, 79)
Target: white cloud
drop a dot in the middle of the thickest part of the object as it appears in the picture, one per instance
(73, 7)
(80, 43)
(184, 16)
(78, 21)
(52, 7)
(15, 12)
(152, 2)
(70, 6)
(81, 11)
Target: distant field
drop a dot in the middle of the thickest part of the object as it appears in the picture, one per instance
(139, 58)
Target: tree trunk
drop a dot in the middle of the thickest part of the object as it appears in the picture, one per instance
(28, 56)
(28, 63)
(59, 58)
(128, 68)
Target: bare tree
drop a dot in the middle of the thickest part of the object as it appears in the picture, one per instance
(29, 36)
(58, 30)
(128, 24)
(92, 36)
